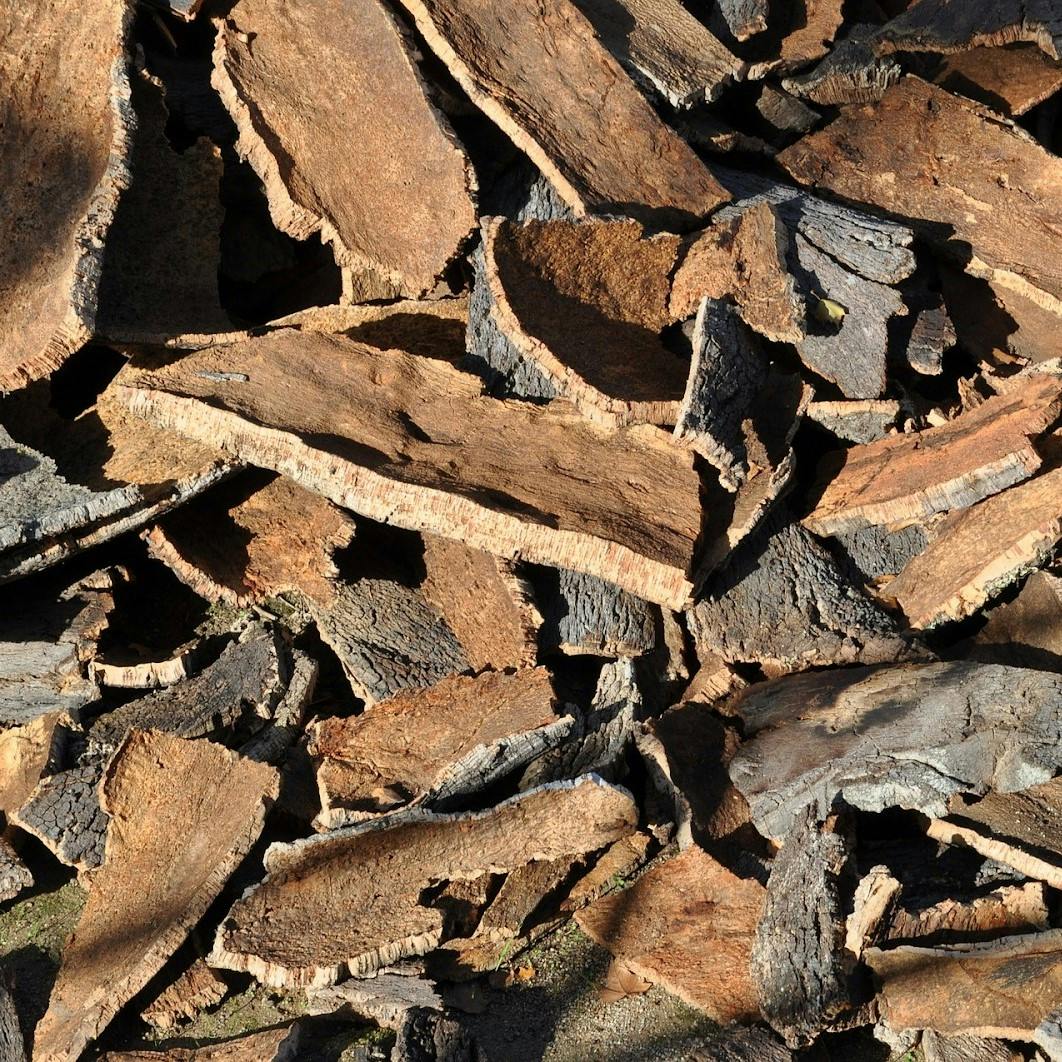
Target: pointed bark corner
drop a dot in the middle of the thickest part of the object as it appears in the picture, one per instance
(664, 48)
(394, 227)
(905, 478)
(256, 537)
(580, 306)
(856, 157)
(1027, 631)
(172, 845)
(67, 137)
(422, 448)
(657, 927)
(197, 988)
(432, 745)
(978, 552)
(1000, 988)
(909, 735)
(872, 905)
(742, 255)
(858, 422)
(744, 18)
(595, 137)
(782, 602)
(522, 893)
(349, 900)
(798, 961)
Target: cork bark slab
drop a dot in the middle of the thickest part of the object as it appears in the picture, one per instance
(270, 1045)
(744, 18)
(358, 151)
(386, 998)
(413, 442)
(171, 846)
(664, 48)
(581, 304)
(432, 745)
(978, 552)
(687, 925)
(855, 157)
(1028, 630)
(859, 422)
(11, 1040)
(909, 735)
(196, 989)
(1007, 909)
(543, 76)
(25, 751)
(14, 877)
(1002, 988)
(1012, 80)
(808, 37)
(904, 478)
(67, 136)
(349, 900)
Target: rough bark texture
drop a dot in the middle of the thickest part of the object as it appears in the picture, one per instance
(388, 638)
(25, 753)
(813, 24)
(937, 1048)
(1028, 630)
(855, 157)
(872, 904)
(798, 961)
(600, 144)
(269, 1045)
(1007, 909)
(619, 860)
(1012, 80)
(783, 602)
(484, 601)
(522, 892)
(904, 478)
(580, 305)
(858, 422)
(351, 422)
(67, 124)
(386, 998)
(979, 552)
(14, 877)
(933, 333)
(744, 1045)
(908, 736)
(357, 152)
(664, 48)
(1003, 988)
(744, 18)
(878, 550)
(172, 844)
(433, 745)
(349, 900)
(658, 928)
(429, 1037)
(787, 116)
(12, 1046)
(196, 989)
(64, 814)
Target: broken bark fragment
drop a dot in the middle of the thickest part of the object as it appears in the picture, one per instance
(785, 114)
(349, 900)
(479, 479)
(394, 227)
(658, 928)
(521, 894)
(1003, 988)
(388, 638)
(744, 1045)
(14, 877)
(742, 256)
(910, 735)
(874, 898)
(937, 1048)
(978, 552)
(904, 478)
(798, 962)
(172, 844)
(432, 745)
(595, 138)
(876, 551)
(484, 601)
(580, 305)
(855, 157)
(12, 1044)
(150, 674)
(813, 25)
(1012, 80)
(744, 18)
(256, 537)
(782, 602)
(663, 47)
(197, 988)
(1007, 909)
(618, 861)
(1027, 631)
(269, 1045)
(858, 422)
(68, 130)
(933, 333)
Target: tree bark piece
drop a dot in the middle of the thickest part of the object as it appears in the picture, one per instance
(197, 988)
(933, 333)
(431, 745)
(910, 735)
(268, 1045)
(658, 928)
(386, 998)
(664, 48)
(1012, 80)
(782, 602)
(258, 536)
(1027, 631)
(913, 183)
(394, 227)
(742, 256)
(872, 904)
(388, 639)
(171, 846)
(25, 753)
(883, 550)
(744, 18)
(809, 36)
(67, 136)
(978, 552)
(580, 306)
(798, 961)
(521, 894)
(858, 422)
(618, 861)
(12, 1045)
(360, 887)
(481, 477)
(1007, 909)
(1003, 988)
(14, 877)
(904, 478)
(601, 145)
(787, 116)
(937, 1048)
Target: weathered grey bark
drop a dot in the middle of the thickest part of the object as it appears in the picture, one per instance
(852, 73)
(12, 1045)
(743, 1045)
(744, 18)
(271, 743)
(64, 813)
(858, 422)
(938, 1048)
(933, 334)
(196, 988)
(910, 735)
(798, 960)
(388, 638)
(14, 877)
(785, 113)
(878, 550)
(386, 998)
(426, 1036)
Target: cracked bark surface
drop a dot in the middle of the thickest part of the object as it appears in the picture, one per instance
(14, 877)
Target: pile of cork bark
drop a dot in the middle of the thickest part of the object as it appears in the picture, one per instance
(479, 471)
